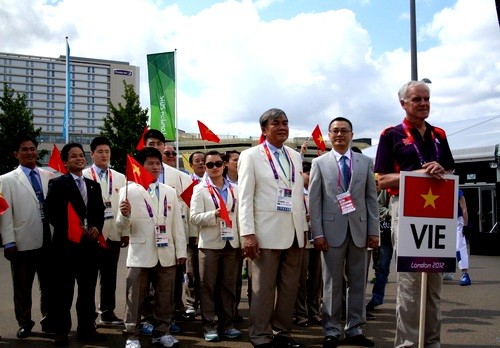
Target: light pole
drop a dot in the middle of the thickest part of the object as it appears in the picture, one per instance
(413, 41)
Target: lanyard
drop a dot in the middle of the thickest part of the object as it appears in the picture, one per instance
(406, 127)
(150, 210)
(110, 179)
(273, 166)
(213, 193)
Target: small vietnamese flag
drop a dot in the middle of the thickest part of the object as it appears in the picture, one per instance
(224, 215)
(138, 174)
(4, 205)
(141, 144)
(55, 161)
(75, 231)
(101, 241)
(207, 134)
(318, 138)
(188, 192)
(429, 197)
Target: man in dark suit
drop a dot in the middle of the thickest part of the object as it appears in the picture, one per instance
(71, 260)
(344, 221)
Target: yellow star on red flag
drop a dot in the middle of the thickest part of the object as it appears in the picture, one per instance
(430, 199)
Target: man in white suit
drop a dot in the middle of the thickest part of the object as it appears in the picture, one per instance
(156, 244)
(25, 234)
(111, 182)
(179, 181)
(344, 221)
(272, 225)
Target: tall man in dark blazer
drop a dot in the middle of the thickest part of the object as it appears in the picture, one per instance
(344, 220)
(74, 261)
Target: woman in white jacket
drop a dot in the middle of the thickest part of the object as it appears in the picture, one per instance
(214, 209)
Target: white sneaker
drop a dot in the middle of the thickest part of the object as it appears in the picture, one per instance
(132, 343)
(166, 341)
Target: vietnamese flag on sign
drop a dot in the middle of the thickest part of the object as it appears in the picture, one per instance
(207, 134)
(429, 197)
(138, 174)
(318, 138)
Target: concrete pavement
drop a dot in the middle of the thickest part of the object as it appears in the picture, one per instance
(471, 315)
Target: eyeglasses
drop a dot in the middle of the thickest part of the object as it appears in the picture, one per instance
(217, 164)
(168, 153)
(342, 131)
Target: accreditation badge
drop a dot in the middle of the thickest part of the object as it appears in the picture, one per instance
(225, 231)
(108, 212)
(346, 203)
(284, 202)
(161, 236)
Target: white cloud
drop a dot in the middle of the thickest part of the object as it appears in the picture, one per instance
(232, 65)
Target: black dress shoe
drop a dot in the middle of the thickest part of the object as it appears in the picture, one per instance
(23, 332)
(183, 316)
(359, 340)
(280, 341)
(330, 342)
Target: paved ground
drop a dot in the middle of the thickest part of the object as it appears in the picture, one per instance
(471, 315)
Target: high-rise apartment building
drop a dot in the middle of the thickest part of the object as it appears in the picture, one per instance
(93, 84)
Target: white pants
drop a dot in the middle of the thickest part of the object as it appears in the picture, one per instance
(462, 255)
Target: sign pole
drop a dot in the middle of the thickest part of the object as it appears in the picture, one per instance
(423, 304)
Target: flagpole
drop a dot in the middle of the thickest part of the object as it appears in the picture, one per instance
(67, 105)
(175, 103)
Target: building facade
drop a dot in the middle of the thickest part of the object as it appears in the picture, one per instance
(94, 83)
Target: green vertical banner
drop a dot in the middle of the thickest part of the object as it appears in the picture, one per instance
(161, 75)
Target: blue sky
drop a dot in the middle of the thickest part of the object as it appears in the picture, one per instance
(315, 59)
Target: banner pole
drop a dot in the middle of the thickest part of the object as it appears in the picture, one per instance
(423, 304)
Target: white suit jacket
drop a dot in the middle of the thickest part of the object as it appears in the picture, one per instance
(257, 195)
(203, 215)
(22, 222)
(118, 181)
(179, 181)
(142, 249)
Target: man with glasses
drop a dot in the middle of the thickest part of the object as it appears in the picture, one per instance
(413, 145)
(272, 227)
(344, 222)
(169, 156)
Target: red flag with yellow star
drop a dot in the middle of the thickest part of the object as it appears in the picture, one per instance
(207, 134)
(138, 174)
(318, 138)
(429, 197)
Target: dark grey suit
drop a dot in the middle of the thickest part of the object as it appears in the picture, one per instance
(346, 236)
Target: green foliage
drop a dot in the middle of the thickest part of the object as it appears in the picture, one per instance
(15, 120)
(124, 126)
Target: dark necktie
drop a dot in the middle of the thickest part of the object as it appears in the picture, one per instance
(346, 173)
(36, 186)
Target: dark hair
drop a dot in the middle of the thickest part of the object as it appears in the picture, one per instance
(192, 155)
(340, 119)
(306, 167)
(226, 157)
(19, 139)
(214, 153)
(99, 141)
(154, 133)
(65, 150)
(146, 152)
(271, 114)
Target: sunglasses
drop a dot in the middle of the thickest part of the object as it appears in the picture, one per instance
(217, 164)
(168, 153)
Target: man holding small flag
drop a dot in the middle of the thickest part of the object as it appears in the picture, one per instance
(72, 260)
(415, 145)
(157, 245)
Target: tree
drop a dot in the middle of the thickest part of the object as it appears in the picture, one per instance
(124, 126)
(16, 119)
